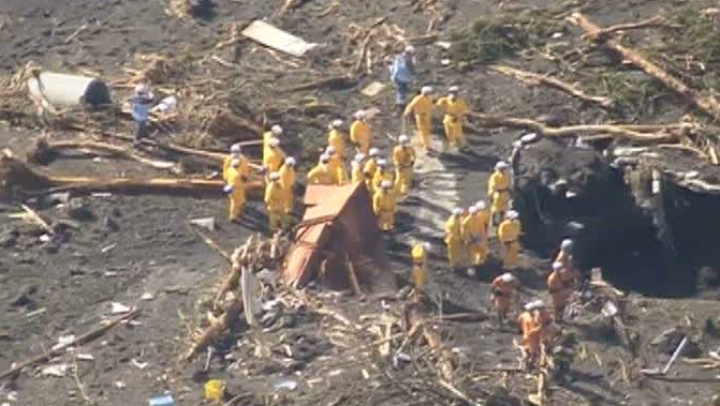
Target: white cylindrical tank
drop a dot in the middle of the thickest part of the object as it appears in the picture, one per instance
(61, 89)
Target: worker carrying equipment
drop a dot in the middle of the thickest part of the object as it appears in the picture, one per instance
(370, 168)
(385, 206)
(321, 174)
(503, 290)
(455, 110)
(336, 139)
(243, 166)
(336, 165)
(275, 201)
(382, 174)
(419, 271)
(360, 132)
(402, 73)
(357, 168)
(509, 233)
(275, 158)
(454, 238)
(475, 238)
(287, 181)
(235, 190)
(499, 191)
(422, 106)
(275, 132)
(404, 160)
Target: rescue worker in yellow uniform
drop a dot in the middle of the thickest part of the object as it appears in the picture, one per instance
(419, 270)
(455, 110)
(288, 176)
(476, 241)
(454, 238)
(370, 168)
(336, 139)
(243, 166)
(483, 215)
(360, 133)
(275, 132)
(499, 191)
(385, 206)
(404, 160)
(336, 165)
(422, 107)
(275, 204)
(275, 158)
(320, 174)
(235, 190)
(382, 174)
(357, 173)
(509, 233)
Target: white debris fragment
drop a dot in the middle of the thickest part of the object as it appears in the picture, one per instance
(120, 385)
(64, 341)
(57, 370)
(108, 248)
(207, 223)
(289, 384)
(557, 35)
(147, 296)
(139, 365)
(119, 308)
(85, 357)
(45, 238)
(444, 44)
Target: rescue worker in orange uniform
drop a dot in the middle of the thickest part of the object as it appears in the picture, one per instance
(360, 133)
(336, 139)
(320, 174)
(559, 292)
(357, 173)
(287, 181)
(422, 107)
(499, 186)
(454, 238)
(370, 168)
(275, 157)
(382, 174)
(336, 165)
(275, 132)
(535, 328)
(509, 233)
(455, 110)
(385, 206)
(275, 201)
(235, 190)
(404, 160)
(503, 290)
(476, 238)
(419, 260)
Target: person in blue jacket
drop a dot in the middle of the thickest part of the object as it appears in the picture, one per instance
(141, 101)
(402, 73)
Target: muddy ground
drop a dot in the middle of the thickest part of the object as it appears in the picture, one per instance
(132, 245)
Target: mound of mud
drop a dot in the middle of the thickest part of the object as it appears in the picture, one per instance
(15, 176)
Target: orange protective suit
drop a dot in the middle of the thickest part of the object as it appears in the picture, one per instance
(502, 294)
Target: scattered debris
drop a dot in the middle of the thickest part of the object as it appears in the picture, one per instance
(56, 370)
(287, 384)
(373, 89)
(119, 308)
(275, 38)
(147, 296)
(207, 223)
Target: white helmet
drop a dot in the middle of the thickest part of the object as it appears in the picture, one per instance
(507, 277)
(472, 210)
(512, 214)
(386, 184)
(274, 176)
(457, 211)
(481, 205)
(382, 163)
(360, 114)
(330, 150)
(374, 152)
(235, 163)
(324, 158)
(454, 89)
(426, 90)
(403, 140)
(142, 88)
(235, 149)
(410, 49)
(359, 157)
(427, 246)
(336, 124)
(566, 244)
(501, 165)
(557, 266)
(274, 142)
(276, 129)
(290, 161)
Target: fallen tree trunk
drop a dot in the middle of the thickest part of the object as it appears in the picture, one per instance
(709, 105)
(43, 149)
(605, 33)
(534, 79)
(217, 327)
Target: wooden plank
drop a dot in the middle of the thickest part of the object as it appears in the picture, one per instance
(276, 38)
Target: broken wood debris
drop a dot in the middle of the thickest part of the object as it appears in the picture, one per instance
(275, 38)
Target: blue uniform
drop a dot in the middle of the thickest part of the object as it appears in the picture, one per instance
(402, 73)
(141, 113)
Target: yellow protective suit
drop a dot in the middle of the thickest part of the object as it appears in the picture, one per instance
(509, 235)
(403, 159)
(422, 107)
(385, 206)
(275, 204)
(483, 217)
(454, 240)
(336, 139)
(287, 181)
(360, 136)
(369, 171)
(357, 174)
(476, 241)
(379, 177)
(419, 272)
(499, 194)
(237, 195)
(337, 168)
(274, 160)
(243, 168)
(455, 111)
(267, 136)
(320, 175)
